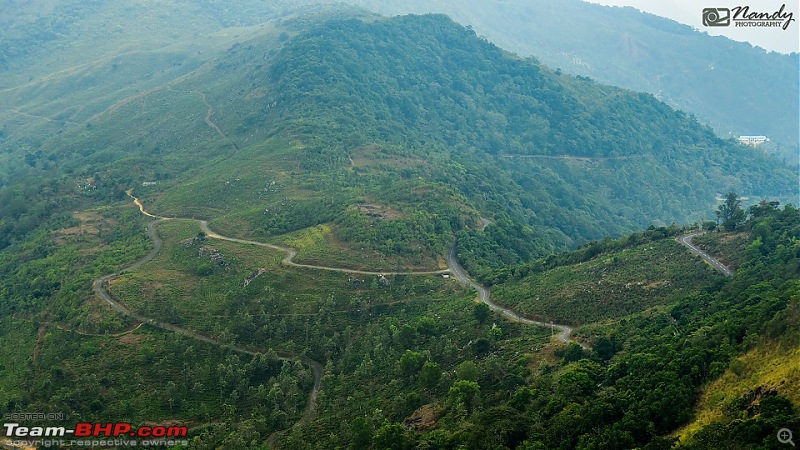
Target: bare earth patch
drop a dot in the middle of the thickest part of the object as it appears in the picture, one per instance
(130, 339)
(424, 418)
(86, 233)
(380, 212)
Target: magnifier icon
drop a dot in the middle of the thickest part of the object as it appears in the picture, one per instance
(785, 436)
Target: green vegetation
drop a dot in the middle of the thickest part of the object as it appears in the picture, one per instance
(501, 166)
(730, 213)
(608, 286)
(639, 383)
(92, 364)
(729, 248)
(683, 67)
(442, 129)
(767, 370)
(376, 144)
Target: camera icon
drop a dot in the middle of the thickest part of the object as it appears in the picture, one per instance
(716, 17)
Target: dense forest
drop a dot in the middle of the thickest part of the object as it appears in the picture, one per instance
(639, 383)
(512, 135)
(379, 145)
(682, 66)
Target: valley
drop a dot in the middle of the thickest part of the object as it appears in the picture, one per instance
(310, 226)
(101, 284)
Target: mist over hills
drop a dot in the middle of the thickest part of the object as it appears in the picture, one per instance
(308, 179)
(737, 88)
(376, 109)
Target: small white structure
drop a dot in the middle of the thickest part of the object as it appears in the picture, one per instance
(753, 140)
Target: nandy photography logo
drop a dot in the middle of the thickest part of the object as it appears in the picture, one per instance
(743, 16)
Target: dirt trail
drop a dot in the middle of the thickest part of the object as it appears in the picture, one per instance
(40, 334)
(48, 119)
(101, 283)
(85, 333)
(575, 158)
(120, 103)
(210, 111)
(454, 268)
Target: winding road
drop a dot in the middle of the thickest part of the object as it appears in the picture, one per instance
(686, 241)
(101, 283)
(453, 267)
(564, 331)
(291, 253)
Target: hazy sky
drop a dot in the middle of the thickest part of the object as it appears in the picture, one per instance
(690, 12)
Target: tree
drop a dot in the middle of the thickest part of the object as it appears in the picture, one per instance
(467, 371)
(360, 433)
(430, 375)
(481, 346)
(481, 312)
(730, 213)
(411, 362)
(573, 353)
(763, 208)
(464, 392)
(392, 436)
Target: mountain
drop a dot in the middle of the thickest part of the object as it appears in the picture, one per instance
(372, 112)
(287, 272)
(735, 87)
(378, 110)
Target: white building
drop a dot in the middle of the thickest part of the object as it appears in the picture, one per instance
(753, 140)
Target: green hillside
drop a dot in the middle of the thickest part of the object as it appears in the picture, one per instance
(608, 286)
(371, 147)
(304, 134)
(737, 88)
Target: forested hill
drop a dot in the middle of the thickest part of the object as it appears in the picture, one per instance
(573, 158)
(418, 114)
(356, 110)
(439, 81)
(738, 88)
(370, 145)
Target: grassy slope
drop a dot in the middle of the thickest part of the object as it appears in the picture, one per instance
(608, 286)
(771, 367)
(770, 364)
(67, 61)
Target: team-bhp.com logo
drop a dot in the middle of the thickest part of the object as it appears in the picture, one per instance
(86, 429)
(741, 16)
